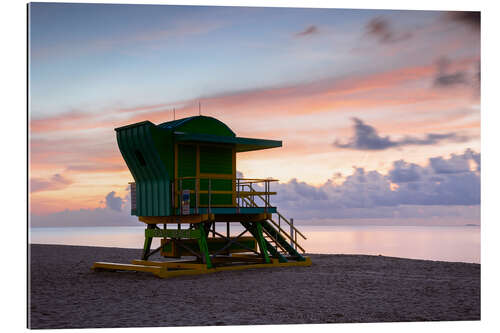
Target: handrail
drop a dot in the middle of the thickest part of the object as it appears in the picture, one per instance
(238, 190)
(282, 217)
(229, 177)
(243, 198)
(282, 231)
(274, 240)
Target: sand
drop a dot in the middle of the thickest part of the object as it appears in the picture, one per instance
(66, 293)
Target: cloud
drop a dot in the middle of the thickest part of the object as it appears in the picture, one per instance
(334, 93)
(83, 145)
(476, 157)
(443, 189)
(456, 163)
(381, 29)
(444, 78)
(115, 213)
(54, 183)
(409, 190)
(403, 172)
(310, 30)
(84, 218)
(470, 19)
(113, 202)
(366, 137)
(96, 167)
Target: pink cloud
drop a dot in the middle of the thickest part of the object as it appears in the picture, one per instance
(83, 144)
(56, 182)
(392, 88)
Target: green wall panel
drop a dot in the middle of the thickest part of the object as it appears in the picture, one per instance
(150, 173)
(216, 159)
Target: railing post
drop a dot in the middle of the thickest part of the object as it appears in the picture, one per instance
(209, 193)
(180, 196)
(266, 186)
(173, 195)
(267, 193)
(295, 234)
(165, 233)
(291, 234)
(237, 195)
(197, 194)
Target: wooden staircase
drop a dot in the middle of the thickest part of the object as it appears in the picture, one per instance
(281, 244)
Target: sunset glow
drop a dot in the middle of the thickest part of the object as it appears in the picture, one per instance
(317, 79)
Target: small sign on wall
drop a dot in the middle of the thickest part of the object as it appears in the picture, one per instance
(185, 202)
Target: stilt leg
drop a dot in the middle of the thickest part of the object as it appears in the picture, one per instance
(262, 242)
(202, 242)
(147, 243)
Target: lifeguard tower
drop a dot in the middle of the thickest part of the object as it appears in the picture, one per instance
(187, 194)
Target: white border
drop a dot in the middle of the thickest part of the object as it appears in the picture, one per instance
(13, 62)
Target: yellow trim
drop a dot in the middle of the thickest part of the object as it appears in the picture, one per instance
(234, 175)
(197, 160)
(242, 194)
(197, 180)
(163, 272)
(156, 270)
(240, 217)
(177, 219)
(216, 175)
(171, 264)
(176, 160)
(233, 258)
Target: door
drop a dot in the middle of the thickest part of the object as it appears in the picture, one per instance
(217, 164)
(186, 166)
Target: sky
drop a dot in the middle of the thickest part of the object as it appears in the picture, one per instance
(378, 110)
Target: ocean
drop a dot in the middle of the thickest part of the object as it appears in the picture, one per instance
(443, 243)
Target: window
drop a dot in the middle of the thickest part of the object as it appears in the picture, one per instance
(139, 156)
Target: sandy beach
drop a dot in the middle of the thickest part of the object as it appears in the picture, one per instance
(66, 293)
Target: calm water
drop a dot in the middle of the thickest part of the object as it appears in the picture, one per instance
(434, 243)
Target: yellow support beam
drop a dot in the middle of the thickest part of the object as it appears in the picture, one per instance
(177, 219)
(243, 217)
(156, 270)
(171, 264)
(163, 272)
(274, 263)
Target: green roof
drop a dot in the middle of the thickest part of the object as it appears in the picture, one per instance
(208, 129)
(199, 125)
(242, 144)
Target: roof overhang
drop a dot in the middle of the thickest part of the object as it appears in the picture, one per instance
(242, 144)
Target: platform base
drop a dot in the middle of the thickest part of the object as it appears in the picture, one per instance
(168, 269)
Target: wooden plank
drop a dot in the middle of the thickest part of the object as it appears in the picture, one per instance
(126, 267)
(170, 264)
(234, 258)
(252, 193)
(177, 219)
(163, 272)
(242, 217)
(242, 194)
(173, 233)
